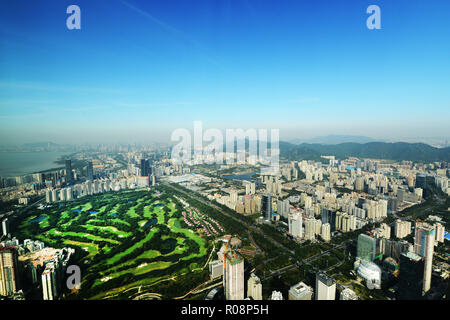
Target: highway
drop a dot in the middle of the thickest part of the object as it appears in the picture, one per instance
(280, 271)
(307, 261)
(252, 227)
(22, 210)
(298, 263)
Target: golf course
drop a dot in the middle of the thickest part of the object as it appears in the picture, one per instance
(128, 242)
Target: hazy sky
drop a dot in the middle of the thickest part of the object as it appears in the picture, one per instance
(139, 69)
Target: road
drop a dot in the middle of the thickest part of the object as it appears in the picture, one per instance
(22, 210)
(209, 203)
(200, 288)
(308, 261)
(311, 259)
(298, 263)
(280, 271)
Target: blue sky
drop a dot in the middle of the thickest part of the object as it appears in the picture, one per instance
(139, 69)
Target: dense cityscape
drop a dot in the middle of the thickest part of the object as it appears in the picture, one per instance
(224, 158)
(136, 223)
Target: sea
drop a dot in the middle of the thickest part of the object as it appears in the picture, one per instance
(14, 164)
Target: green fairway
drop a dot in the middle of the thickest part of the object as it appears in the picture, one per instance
(123, 238)
(139, 244)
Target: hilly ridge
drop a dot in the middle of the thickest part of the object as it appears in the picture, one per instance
(376, 150)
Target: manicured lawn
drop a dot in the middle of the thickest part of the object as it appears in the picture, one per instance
(132, 248)
(117, 218)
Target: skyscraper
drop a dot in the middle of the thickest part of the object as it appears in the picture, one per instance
(421, 180)
(410, 279)
(329, 216)
(90, 171)
(5, 226)
(145, 168)
(8, 271)
(338, 225)
(310, 228)
(49, 282)
(325, 232)
(69, 174)
(424, 247)
(233, 276)
(325, 287)
(266, 206)
(367, 246)
(295, 225)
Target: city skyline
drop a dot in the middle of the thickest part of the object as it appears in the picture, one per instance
(138, 70)
(235, 152)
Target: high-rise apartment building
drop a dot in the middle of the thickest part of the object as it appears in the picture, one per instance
(310, 228)
(49, 282)
(402, 228)
(5, 226)
(439, 231)
(300, 291)
(69, 173)
(250, 187)
(216, 269)
(326, 232)
(424, 247)
(384, 231)
(233, 276)
(359, 184)
(9, 281)
(346, 226)
(295, 225)
(283, 208)
(325, 287)
(318, 226)
(254, 287)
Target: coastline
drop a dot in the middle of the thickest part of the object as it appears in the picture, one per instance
(20, 163)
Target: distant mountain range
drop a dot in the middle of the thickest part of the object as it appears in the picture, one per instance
(313, 151)
(419, 152)
(375, 150)
(335, 139)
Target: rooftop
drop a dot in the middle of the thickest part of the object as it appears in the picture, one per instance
(234, 258)
(300, 289)
(412, 256)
